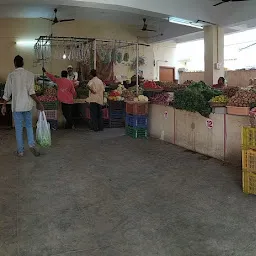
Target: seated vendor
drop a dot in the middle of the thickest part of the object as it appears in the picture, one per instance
(221, 83)
(72, 76)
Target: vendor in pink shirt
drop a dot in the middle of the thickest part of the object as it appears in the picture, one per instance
(66, 94)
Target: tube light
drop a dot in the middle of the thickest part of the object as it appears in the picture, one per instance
(26, 43)
(185, 22)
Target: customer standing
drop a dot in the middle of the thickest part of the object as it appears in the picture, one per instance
(66, 94)
(95, 99)
(19, 88)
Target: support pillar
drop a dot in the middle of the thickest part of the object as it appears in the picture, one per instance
(213, 54)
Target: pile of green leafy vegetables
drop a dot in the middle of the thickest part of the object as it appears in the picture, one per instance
(195, 98)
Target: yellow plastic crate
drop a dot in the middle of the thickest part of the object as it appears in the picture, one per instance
(244, 159)
(249, 183)
(249, 160)
(248, 138)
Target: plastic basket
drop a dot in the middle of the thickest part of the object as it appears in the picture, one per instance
(53, 105)
(116, 105)
(249, 183)
(106, 123)
(137, 121)
(53, 124)
(248, 138)
(244, 159)
(116, 123)
(117, 114)
(51, 114)
(136, 132)
(249, 160)
(136, 108)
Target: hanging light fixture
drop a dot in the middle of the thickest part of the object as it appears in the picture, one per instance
(64, 56)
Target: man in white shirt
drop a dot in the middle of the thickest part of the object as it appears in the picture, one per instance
(19, 88)
(73, 76)
(95, 99)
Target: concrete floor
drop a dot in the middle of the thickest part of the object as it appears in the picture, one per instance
(107, 194)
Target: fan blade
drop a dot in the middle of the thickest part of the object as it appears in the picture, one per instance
(239, 0)
(150, 30)
(67, 20)
(219, 3)
(46, 19)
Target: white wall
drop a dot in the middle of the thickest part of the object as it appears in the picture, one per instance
(164, 55)
(189, 130)
(123, 70)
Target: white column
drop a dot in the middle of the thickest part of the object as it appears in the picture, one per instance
(213, 54)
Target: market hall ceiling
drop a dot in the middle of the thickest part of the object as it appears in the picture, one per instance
(227, 14)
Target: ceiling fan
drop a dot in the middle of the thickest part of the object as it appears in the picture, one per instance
(228, 1)
(145, 26)
(56, 20)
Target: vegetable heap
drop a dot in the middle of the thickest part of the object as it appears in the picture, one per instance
(195, 98)
(220, 99)
(115, 95)
(128, 95)
(230, 91)
(134, 89)
(151, 85)
(162, 99)
(50, 91)
(170, 87)
(45, 98)
(243, 98)
(141, 98)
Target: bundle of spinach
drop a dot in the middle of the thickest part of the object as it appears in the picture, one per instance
(195, 98)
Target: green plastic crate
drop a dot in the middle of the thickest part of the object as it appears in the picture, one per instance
(136, 132)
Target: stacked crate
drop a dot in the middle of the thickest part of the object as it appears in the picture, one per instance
(249, 159)
(136, 119)
(116, 114)
(51, 112)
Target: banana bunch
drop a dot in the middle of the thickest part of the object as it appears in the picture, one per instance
(220, 99)
(38, 88)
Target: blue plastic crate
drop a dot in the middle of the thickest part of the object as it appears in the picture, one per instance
(137, 121)
(116, 114)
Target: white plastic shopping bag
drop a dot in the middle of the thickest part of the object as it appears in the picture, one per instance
(43, 131)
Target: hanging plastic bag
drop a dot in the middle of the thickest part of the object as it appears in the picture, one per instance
(43, 131)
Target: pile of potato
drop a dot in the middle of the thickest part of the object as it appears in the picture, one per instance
(242, 98)
(230, 91)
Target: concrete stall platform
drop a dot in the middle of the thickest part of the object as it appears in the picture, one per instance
(218, 136)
